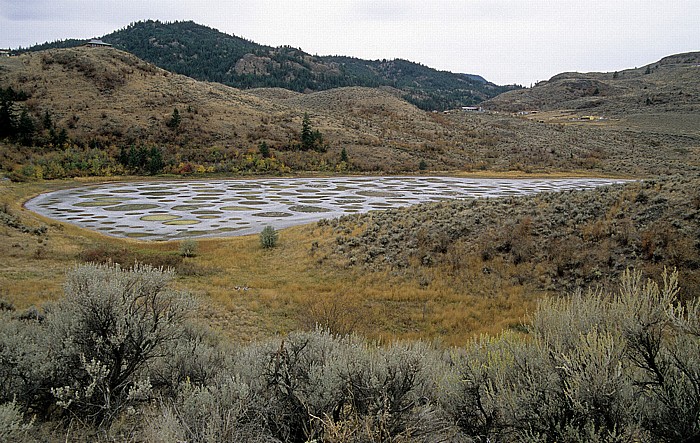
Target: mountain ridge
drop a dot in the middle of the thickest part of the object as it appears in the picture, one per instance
(207, 54)
(667, 85)
(88, 107)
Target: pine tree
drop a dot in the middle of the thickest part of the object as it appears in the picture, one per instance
(175, 120)
(8, 124)
(61, 138)
(47, 122)
(155, 162)
(307, 134)
(25, 129)
(264, 150)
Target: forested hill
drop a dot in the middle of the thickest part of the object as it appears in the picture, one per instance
(206, 54)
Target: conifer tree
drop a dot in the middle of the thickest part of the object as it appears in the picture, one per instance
(175, 119)
(307, 135)
(8, 124)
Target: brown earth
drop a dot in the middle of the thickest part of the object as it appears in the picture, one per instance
(115, 99)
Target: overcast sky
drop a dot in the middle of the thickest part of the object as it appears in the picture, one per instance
(505, 41)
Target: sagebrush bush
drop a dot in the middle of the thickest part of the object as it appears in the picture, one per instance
(12, 423)
(314, 385)
(196, 357)
(268, 237)
(599, 366)
(25, 368)
(188, 247)
(115, 323)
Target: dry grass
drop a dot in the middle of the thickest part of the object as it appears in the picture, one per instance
(256, 292)
(248, 292)
(115, 99)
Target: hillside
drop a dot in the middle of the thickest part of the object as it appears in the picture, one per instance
(206, 54)
(216, 347)
(670, 85)
(101, 102)
(554, 242)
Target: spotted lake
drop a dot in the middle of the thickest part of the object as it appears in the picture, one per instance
(179, 209)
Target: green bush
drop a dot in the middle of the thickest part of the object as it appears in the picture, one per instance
(188, 247)
(600, 367)
(312, 385)
(268, 237)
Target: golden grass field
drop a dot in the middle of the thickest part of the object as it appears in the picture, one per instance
(115, 98)
(247, 292)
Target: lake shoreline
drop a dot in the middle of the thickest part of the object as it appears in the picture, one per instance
(174, 209)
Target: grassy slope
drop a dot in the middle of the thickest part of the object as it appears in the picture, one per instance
(116, 99)
(669, 85)
(445, 271)
(289, 287)
(553, 242)
(116, 96)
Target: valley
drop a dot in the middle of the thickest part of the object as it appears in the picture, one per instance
(456, 273)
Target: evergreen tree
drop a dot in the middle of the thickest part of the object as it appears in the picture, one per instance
(8, 123)
(155, 162)
(344, 155)
(61, 138)
(47, 122)
(264, 150)
(133, 158)
(318, 141)
(175, 120)
(311, 139)
(123, 156)
(307, 134)
(25, 129)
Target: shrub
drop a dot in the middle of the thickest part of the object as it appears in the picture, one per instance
(21, 360)
(600, 366)
(12, 424)
(597, 367)
(268, 237)
(311, 385)
(221, 411)
(103, 333)
(188, 247)
(196, 357)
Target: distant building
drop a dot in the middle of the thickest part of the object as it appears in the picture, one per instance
(472, 108)
(97, 44)
(4, 53)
